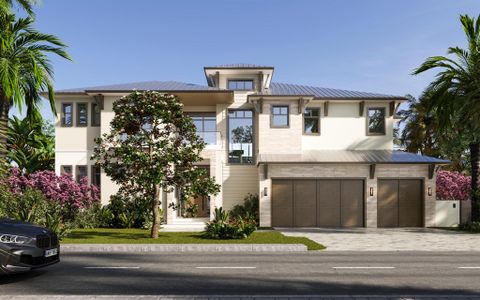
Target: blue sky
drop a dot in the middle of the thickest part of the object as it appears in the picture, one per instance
(368, 45)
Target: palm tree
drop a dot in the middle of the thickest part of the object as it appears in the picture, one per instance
(27, 5)
(31, 145)
(419, 134)
(455, 95)
(25, 69)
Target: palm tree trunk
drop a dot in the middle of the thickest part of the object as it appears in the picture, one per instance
(156, 213)
(474, 161)
(4, 109)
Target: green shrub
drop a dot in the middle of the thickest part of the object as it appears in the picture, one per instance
(248, 210)
(31, 206)
(470, 226)
(224, 226)
(125, 213)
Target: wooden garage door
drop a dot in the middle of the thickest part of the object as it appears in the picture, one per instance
(317, 203)
(400, 203)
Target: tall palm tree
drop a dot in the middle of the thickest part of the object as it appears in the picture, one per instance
(25, 69)
(456, 95)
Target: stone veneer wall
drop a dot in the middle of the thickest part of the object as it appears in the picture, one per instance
(346, 171)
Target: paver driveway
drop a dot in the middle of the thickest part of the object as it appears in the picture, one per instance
(392, 239)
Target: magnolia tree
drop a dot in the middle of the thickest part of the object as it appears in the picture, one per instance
(152, 145)
(453, 186)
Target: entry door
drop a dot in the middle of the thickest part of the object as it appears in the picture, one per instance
(400, 203)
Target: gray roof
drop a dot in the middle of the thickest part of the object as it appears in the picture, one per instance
(143, 86)
(351, 156)
(239, 66)
(287, 89)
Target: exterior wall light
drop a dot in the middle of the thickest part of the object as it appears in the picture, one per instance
(371, 191)
(430, 192)
(265, 191)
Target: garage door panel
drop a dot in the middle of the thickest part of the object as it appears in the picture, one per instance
(305, 204)
(328, 203)
(387, 203)
(410, 203)
(352, 192)
(282, 203)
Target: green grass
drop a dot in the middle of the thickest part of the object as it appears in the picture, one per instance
(142, 236)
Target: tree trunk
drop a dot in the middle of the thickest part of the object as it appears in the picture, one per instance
(4, 109)
(474, 161)
(156, 213)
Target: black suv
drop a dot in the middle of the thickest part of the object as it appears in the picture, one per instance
(24, 246)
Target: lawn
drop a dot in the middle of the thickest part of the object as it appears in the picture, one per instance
(141, 236)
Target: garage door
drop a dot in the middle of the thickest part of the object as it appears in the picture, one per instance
(317, 203)
(400, 203)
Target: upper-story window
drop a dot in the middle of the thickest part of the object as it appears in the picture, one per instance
(206, 125)
(240, 84)
(95, 115)
(240, 136)
(376, 121)
(67, 113)
(82, 114)
(279, 116)
(96, 175)
(311, 121)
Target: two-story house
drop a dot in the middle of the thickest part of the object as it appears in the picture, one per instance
(317, 157)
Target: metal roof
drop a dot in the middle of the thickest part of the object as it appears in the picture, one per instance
(238, 66)
(351, 156)
(287, 89)
(143, 86)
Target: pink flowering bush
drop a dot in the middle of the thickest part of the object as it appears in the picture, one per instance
(62, 189)
(453, 186)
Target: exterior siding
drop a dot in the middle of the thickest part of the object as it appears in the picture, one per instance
(238, 181)
(344, 129)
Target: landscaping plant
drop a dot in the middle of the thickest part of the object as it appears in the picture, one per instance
(152, 145)
(248, 210)
(224, 226)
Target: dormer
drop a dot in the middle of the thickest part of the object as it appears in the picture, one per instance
(240, 77)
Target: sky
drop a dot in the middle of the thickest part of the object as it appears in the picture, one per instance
(368, 45)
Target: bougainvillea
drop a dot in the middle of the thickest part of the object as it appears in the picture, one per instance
(453, 186)
(62, 189)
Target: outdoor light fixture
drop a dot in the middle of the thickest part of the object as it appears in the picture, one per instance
(265, 191)
(429, 191)
(371, 191)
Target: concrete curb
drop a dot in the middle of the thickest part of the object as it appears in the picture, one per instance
(73, 248)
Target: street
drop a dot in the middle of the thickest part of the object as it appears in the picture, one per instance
(316, 273)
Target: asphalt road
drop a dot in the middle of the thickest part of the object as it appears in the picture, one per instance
(339, 273)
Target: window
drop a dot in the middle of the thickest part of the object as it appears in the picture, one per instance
(66, 170)
(95, 115)
(82, 114)
(279, 117)
(376, 121)
(95, 178)
(81, 172)
(311, 121)
(67, 112)
(206, 124)
(240, 85)
(240, 136)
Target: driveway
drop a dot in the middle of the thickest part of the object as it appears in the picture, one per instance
(394, 239)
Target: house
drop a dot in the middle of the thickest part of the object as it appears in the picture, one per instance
(317, 157)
